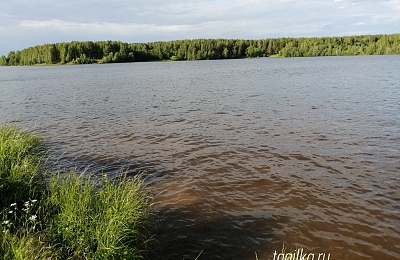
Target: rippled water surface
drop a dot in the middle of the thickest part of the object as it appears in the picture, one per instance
(242, 155)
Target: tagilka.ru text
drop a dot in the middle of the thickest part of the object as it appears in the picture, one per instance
(299, 255)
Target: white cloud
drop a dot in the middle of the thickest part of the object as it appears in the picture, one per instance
(24, 23)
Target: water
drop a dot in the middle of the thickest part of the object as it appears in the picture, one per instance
(242, 155)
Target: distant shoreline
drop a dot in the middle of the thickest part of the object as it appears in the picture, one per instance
(201, 49)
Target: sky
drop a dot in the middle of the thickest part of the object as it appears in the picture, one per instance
(26, 23)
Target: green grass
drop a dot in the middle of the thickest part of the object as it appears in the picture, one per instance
(97, 223)
(70, 217)
(20, 165)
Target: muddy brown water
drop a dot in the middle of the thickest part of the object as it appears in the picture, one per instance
(242, 155)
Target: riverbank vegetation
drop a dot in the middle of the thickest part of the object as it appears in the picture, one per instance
(201, 49)
(69, 216)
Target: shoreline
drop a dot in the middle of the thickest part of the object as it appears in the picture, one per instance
(69, 216)
(201, 49)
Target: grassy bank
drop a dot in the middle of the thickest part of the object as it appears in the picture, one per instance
(68, 217)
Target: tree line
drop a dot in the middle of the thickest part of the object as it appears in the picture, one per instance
(200, 49)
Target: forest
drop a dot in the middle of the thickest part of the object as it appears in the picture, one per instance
(201, 49)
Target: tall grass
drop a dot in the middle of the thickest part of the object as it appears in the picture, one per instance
(20, 165)
(71, 218)
(98, 223)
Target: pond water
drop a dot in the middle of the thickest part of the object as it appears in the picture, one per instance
(242, 155)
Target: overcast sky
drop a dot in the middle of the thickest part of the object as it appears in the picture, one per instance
(25, 23)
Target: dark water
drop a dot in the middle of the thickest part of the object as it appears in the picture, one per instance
(242, 155)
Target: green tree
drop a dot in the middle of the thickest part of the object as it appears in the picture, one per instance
(115, 51)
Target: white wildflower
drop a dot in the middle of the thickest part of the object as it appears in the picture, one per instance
(13, 205)
(33, 201)
(33, 217)
(11, 211)
(26, 203)
(6, 222)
